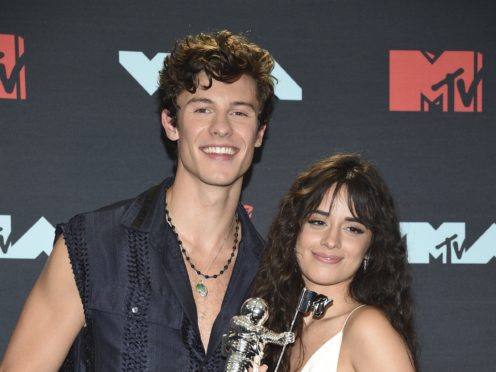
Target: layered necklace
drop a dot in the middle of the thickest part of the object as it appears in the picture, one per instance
(200, 287)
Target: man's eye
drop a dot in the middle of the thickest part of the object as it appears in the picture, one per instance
(240, 113)
(201, 110)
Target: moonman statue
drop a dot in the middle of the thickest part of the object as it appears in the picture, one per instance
(246, 339)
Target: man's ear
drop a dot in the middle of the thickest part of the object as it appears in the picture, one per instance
(260, 135)
(168, 124)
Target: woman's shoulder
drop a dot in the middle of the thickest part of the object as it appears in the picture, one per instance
(370, 339)
(368, 322)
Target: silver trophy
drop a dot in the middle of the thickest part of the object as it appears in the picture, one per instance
(245, 341)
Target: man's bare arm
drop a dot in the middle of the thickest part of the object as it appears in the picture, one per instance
(50, 320)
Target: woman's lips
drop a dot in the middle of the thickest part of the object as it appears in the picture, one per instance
(327, 258)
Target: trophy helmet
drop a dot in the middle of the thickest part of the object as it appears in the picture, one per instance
(256, 309)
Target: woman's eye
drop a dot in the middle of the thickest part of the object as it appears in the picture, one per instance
(315, 222)
(355, 230)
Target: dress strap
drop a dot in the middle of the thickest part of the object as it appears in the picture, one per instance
(351, 312)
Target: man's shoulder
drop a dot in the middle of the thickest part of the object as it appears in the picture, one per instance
(123, 210)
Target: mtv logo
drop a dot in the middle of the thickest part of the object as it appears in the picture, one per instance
(12, 67)
(449, 81)
(446, 243)
(145, 72)
(249, 209)
(38, 239)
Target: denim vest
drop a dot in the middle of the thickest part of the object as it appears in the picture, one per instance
(138, 303)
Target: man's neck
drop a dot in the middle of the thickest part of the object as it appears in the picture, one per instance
(202, 213)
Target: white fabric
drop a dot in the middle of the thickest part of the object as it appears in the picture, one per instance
(325, 359)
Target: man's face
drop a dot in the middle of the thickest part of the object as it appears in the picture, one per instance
(216, 130)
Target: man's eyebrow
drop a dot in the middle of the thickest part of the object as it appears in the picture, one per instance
(199, 100)
(243, 103)
(210, 102)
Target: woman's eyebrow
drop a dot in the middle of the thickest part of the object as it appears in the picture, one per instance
(321, 212)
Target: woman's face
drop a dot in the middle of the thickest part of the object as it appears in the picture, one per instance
(331, 244)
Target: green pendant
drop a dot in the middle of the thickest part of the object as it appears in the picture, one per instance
(201, 289)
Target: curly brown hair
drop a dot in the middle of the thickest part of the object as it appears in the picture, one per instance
(223, 56)
(386, 282)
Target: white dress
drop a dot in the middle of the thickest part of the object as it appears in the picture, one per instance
(325, 359)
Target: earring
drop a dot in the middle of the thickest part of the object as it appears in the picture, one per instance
(366, 262)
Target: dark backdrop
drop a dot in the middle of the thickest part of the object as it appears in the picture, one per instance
(87, 133)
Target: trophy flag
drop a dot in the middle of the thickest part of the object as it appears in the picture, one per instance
(309, 301)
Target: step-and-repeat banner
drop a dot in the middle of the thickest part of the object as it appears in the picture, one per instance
(409, 84)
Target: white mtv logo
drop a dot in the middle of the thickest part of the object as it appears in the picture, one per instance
(145, 71)
(446, 242)
(38, 239)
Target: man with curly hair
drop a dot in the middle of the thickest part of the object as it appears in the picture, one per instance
(152, 282)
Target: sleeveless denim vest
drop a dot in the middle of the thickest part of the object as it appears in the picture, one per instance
(138, 304)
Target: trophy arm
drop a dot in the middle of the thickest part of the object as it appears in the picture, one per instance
(280, 339)
(226, 344)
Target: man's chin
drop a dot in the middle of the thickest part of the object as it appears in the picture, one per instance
(221, 180)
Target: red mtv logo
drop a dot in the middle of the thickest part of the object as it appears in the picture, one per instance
(12, 67)
(450, 81)
(248, 209)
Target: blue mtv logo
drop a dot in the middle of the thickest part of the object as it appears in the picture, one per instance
(446, 243)
(38, 239)
(145, 72)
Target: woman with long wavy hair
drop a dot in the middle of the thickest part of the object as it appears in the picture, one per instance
(337, 234)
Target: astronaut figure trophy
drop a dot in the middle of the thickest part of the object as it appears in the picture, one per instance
(246, 339)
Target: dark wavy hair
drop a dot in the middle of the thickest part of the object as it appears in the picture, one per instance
(223, 57)
(385, 283)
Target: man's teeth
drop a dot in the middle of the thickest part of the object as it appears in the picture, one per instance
(219, 150)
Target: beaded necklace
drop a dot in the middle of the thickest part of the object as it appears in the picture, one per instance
(200, 287)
